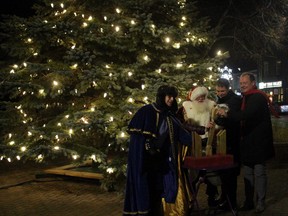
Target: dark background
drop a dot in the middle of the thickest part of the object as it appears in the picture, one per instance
(22, 8)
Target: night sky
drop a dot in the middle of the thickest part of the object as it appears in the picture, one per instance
(20, 8)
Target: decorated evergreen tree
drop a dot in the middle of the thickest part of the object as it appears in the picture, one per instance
(77, 71)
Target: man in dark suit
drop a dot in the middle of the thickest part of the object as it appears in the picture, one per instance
(256, 145)
(229, 177)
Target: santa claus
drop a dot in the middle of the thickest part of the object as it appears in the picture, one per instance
(197, 109)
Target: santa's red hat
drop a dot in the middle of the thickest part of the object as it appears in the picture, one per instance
(196, 92)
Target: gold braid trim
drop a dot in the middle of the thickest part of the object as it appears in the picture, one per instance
(135, 213)
(141, 132)
(171, 135)
(147, 132)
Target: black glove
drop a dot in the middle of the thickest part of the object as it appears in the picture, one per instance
(198, 129)
(151, 147)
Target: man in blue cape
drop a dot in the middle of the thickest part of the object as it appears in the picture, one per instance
(152, 172)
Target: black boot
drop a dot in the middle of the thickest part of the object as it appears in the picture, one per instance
(212, 193)
(249, 195)
(246, 206)
(212, 201)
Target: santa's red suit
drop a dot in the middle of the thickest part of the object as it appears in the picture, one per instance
(198, 113)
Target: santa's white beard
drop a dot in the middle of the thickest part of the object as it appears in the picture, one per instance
(201, 107)
(199, 113)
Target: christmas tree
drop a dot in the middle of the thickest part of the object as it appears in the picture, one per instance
(77, 71)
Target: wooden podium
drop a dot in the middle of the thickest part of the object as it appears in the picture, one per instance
(200, 159)
(220, 143)
(208, 160)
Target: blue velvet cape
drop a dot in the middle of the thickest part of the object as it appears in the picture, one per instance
(145, 125)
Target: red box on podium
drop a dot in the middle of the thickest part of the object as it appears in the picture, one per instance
(218, 161)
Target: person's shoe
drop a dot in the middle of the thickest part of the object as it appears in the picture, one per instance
(224, 206)
(212, 202)
(246, 207)
(260, 208)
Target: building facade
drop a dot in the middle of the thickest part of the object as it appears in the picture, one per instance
(273, 78)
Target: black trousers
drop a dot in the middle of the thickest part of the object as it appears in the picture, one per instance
(211, 189)
(229, 185)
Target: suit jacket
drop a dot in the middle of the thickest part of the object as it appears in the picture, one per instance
(257, 136)
(232, 126)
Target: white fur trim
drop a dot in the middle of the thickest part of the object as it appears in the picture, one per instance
(198, 91)
(201, 118)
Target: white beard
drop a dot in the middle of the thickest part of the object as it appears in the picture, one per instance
(199, 108)
(198, 113)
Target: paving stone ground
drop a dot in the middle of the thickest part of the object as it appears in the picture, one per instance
(22, 194)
